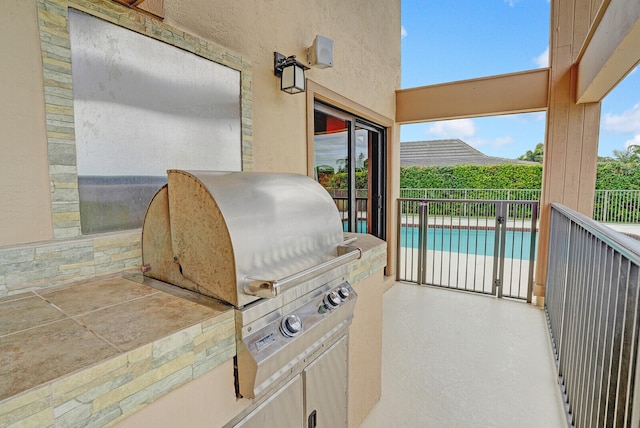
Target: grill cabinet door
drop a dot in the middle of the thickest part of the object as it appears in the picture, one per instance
(282, 410)
(325, 382)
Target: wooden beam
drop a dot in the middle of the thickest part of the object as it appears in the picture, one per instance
(522, 92)
(611, 51)
(154, 7)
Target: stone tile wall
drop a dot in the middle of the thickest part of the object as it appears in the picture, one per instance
(35, 266)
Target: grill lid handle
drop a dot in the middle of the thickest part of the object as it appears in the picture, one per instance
(273, 288)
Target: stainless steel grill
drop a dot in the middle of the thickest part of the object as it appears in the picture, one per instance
(272, 246)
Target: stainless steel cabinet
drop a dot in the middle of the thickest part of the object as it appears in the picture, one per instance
(283, 409)
(325, 383)
(316, 398)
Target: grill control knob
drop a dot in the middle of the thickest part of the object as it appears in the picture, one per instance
(332, 300)
(291, 326)
(344, 293)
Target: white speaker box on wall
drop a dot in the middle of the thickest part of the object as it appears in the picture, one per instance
(320, 54)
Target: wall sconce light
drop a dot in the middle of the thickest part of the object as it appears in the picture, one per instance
(291, 73)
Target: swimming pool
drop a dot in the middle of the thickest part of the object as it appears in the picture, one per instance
(470, 241)
(480, 242)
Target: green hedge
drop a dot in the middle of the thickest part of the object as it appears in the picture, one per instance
(339, 180)
(506, 176)
(610, 176)
(618, 176)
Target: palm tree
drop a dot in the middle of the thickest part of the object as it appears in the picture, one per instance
(537, 155)
(632, 154)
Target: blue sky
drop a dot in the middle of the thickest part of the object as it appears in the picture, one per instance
(449, 40)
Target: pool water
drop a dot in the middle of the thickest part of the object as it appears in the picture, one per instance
(362, 226)
(478, 242)
(470, 241)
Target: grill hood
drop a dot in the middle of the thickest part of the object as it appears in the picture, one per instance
(240, 236)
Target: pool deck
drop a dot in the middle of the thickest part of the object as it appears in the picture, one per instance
(632, 230)
(466, 272)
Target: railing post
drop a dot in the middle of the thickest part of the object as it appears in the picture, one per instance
(399, 240)
(501, 237)
(422, 242)
(532, 249)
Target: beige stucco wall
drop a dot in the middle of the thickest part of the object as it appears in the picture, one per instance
(25, 206)
(208, 401)
(366, 56)
(366, 60)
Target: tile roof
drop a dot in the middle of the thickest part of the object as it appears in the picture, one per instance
(446, 153)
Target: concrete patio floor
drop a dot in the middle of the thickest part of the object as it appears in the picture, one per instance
(455, 359)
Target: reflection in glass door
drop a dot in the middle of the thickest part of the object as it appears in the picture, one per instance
(349, 163)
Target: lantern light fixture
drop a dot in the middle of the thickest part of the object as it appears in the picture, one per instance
(291, 73)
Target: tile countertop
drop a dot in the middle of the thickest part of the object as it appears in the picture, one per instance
(94, 352)
(77, 344)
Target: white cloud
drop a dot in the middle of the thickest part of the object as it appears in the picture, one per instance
(511, 3)
(466, 130)
(542, 60)
(403, 32)
(458, 128)
(626, 123)
(635, 141)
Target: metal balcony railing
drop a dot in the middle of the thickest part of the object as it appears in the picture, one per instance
(593, 313)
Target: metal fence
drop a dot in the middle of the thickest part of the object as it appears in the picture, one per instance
(481, 194)
(486, 247)
(609, 206)
(617, 206)
(361, 212)
(593, 313)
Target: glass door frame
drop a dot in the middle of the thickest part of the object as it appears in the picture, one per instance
(376, 188)
(317, 92)
(377, 179)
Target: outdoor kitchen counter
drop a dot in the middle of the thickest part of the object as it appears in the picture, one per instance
(89, 353)
(114, 351)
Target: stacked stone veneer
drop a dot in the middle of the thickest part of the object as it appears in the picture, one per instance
(372, 260)
(34, 266)
(72, 257)
(116, 388)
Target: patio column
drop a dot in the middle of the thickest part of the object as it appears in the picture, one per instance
(571, 147)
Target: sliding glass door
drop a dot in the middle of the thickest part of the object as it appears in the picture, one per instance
(350, 163)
